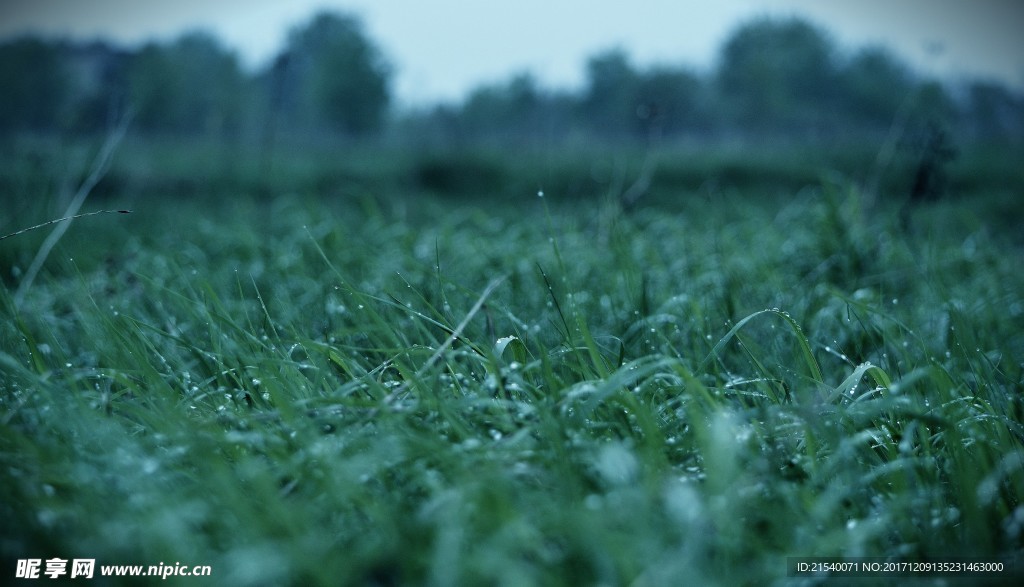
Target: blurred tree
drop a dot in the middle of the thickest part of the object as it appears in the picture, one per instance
(667, 102)
(511, 109)
(434, 127)
(935, 150)
(778, 75)
(517, 110)
(996, 113)
(874, 86)
(97, 75)
(332, 76)
(932, 105)
(191, 86)
(36, 91)
(609, 102)
(621, 101)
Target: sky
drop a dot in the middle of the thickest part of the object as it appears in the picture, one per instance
(440, 49)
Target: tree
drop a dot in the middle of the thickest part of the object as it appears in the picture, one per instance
(97, 77)
(997, 113)
(621, 101)
(609, 101)
(36, 93)
(666, 102)
(932, 104)
(874, 86)
(191, 86)
(331, 76)
(778, 75)
(517, 109)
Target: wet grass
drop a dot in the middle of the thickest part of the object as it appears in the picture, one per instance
(299, 391)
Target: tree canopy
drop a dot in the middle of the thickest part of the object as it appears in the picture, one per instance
(35, 92)
(773, 77)
(778, 74)
(191, 85)
(334, 76)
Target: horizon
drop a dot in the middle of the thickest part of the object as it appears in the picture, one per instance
(440, 53)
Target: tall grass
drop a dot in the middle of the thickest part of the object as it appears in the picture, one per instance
(299, 391)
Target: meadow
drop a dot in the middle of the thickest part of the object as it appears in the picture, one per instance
(336, 381)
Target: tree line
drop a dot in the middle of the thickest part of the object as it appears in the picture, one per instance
(773, 78)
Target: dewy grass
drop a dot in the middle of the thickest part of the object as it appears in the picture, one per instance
(305, 392)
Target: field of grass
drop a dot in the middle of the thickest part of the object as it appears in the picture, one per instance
(528, 391)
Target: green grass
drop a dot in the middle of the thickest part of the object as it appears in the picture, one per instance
(309, 391)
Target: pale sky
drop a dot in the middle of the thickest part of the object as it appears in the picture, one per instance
(441, 48)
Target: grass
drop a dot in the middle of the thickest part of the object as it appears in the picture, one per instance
(401, 391)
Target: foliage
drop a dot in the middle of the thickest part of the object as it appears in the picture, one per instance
(611, 83)
(876, 86)
(670, 102)
(100, 93)
(518, 111)
(997, 113)
(334, 76)
(33, 79)
(622, 102)
(778, 75)
(779, 78)
(191, 86)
